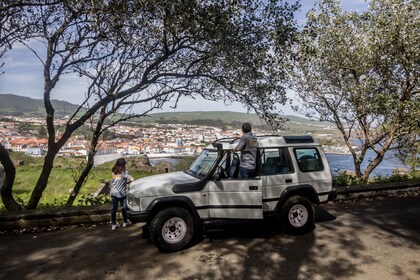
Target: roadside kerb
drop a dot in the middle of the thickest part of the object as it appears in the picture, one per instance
(100, 214)
(363, 191)
(54, 217)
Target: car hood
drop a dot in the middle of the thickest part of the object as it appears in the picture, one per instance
(157, 185)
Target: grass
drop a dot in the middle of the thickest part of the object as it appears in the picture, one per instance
(60, 183)
(61, 180)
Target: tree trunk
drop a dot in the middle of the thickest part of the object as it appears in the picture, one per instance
(357, 160)
(413, 162)
(82, 178)
(42, 182)
(6, 189)
(91, 157)
(358, 169)
(414, 155)
(372, 166)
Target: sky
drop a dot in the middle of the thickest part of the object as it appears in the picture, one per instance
(23, 75)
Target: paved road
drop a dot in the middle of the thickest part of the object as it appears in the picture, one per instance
(377, 239)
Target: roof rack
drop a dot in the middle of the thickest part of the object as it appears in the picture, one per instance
(298, 139)
(269, 135)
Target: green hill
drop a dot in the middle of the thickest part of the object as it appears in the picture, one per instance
(230, 120)
(223, 116)
(20, 105)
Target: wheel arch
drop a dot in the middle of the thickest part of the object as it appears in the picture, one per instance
(302, 190)
(167, 202)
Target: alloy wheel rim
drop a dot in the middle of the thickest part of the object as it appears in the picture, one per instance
(174, 230)
(298, 215)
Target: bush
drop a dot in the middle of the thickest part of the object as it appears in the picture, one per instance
(350, 180)
(394, 178)
(344, 180)
(57, 202)
(90, 200)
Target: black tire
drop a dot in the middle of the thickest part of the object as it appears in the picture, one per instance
(297, 215)
(172, 229)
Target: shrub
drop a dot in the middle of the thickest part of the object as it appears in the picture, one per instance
(90, 200)
(344, 180)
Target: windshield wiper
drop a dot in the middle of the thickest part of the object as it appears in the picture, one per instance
(192, 172)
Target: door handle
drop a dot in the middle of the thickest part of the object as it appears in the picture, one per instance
(289, 180)
(253, 188)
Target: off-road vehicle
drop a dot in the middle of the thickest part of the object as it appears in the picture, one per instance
(292, 174)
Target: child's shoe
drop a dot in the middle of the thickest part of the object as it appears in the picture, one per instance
(114, 227)
(127, 224)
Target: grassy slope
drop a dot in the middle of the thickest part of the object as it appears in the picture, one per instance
(294, 126)
(224, 116)
(60, 182)
(61, 179)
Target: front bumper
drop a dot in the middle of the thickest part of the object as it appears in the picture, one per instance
(137, 217)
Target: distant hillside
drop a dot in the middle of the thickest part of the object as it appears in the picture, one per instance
(21, 105)
(212, 117)
(230, 120)
(223, 116)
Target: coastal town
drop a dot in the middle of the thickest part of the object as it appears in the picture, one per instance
(156, 140)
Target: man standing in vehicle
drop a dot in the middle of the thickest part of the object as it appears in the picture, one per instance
(248, 147)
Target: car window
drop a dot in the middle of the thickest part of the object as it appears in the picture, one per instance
(275, 161)
(203, 164)
(308, 159)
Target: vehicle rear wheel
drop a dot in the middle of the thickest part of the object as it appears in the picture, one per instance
(297, 215)
(172, 229)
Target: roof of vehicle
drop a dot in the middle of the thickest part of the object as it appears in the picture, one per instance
(268, 141)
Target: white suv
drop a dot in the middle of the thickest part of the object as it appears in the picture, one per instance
(292, 174)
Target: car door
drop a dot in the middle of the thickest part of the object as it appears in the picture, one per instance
(235, 198)
(277, 173)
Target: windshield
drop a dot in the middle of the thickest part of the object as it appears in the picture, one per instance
(203, 164)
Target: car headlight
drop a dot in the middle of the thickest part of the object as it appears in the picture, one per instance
(133, 202)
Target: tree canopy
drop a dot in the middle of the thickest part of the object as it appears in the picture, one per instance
(361, 72)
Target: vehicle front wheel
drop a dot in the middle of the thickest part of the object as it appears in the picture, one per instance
(297, 215)
(172, 229)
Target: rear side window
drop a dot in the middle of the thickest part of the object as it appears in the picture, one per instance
(308, 159)
(275, 161)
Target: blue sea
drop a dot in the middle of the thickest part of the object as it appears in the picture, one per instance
(345, 162)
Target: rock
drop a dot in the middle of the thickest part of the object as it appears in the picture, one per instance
(138, 162)
(163, 167)
(347, 172)
(400, 171)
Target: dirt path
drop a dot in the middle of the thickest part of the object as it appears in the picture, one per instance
(377, 239)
